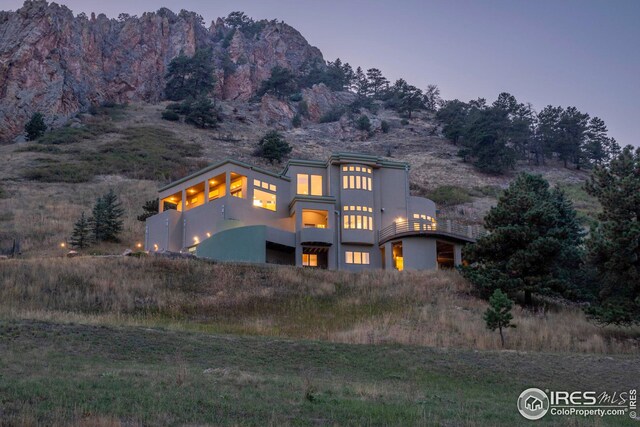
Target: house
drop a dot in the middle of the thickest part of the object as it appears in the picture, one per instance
(350, 212)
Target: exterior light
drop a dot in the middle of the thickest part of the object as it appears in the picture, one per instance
(191, 190)
(399, 219)
(63, 244)
(196, 240)
(138, 245)
(208, 234)
(155, 247)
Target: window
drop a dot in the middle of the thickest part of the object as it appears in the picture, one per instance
(309, 184)
(423, 222)
(312, 218)
(356, 257)
(262, 199)
(236, 187)
(363, 220)
(265, 185)
(354, 179)
(310, 260)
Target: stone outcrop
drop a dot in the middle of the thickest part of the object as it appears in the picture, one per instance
(320, 100)
(58, 64)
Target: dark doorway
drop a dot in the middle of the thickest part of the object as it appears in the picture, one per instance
(445, 255)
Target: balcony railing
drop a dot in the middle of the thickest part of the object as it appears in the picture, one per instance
(442, 226)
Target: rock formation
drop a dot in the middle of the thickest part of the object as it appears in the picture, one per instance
(58, 64)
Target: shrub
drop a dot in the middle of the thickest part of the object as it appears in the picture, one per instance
(404, 122)
(35, 127)
(60, 172)
(296, 97)
(296, 122)
(273, 147)
(384, 126)
(449, 195)
(170, 115)
(363, 123)
(332, 115)
(303, 108)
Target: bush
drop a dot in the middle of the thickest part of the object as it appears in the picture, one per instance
(363, 123)
(35, 127)
(170, 115)
(404, 122)
(273, 147)
(296, 97)
(332, 115)
(303, 108)
(296, 122)
(384, 126)
(449, 195)
(69, 135)
(60, 172)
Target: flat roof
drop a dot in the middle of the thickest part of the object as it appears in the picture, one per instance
(336, 158)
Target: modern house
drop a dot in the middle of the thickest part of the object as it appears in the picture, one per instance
(349, 212)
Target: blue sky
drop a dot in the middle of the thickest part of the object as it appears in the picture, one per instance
(561, 52)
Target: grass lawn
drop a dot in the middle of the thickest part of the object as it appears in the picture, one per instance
(53, 373)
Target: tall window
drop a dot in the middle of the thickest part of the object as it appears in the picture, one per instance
(357, 217)
(309, 184)
(356, 178)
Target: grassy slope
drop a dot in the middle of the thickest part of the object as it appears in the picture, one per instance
(62, 373)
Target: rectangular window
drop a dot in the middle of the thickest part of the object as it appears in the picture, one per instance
(351, 257)
(303, 184)
(365, 222)
(371, 224)
(310, 260)
(316, 185)
(345, 168)
(359, 222)
(369, 180)
(346, 221)
(262, 199)
(352, 182)
(345, 182)
(358, 182)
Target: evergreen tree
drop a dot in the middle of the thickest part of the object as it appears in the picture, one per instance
(532, 234)
(363, 123)
(404, 98)
(190, 77)
(614, 245)
(454, 116)
(432, 98)
(498, 315)
(377, 83)
(281, 83)
(360, 83)
(80, 237)
(273, 147)
(35, 127)
(106, 221)
(202, 113)
(573, 129)
(149, 209)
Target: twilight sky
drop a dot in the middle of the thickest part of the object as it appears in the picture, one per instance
(561, 52)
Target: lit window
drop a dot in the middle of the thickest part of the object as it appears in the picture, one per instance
(351, 168)
(345, 168)
(351, 257)
(316, 185)
(262, 199)
(352, 181)
(310, 260)
(236, 187)
(303, 184)
(369, 181)
(359, 222)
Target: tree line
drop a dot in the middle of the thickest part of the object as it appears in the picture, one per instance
(494, 137)
(536, 245)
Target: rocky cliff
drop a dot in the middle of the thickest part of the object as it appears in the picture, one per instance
(57, 63)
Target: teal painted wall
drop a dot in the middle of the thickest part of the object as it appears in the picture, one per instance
(242, 244)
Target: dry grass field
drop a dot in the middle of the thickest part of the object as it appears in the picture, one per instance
(431, 308)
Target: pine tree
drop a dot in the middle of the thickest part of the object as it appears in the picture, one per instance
(190, 77)
(360, 83)
(273, 147)
(149, 209)
(35, 127)
(202, 113)
(281, 83)
(106, 221)
(532, 235)
(80, 237)
(498, 315)
(614, 245)
(377, 83)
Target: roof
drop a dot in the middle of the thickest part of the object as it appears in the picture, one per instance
(219, 164)
(336, 158)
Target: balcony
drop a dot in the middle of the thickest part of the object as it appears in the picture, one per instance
(316, 235)
(441, 228)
